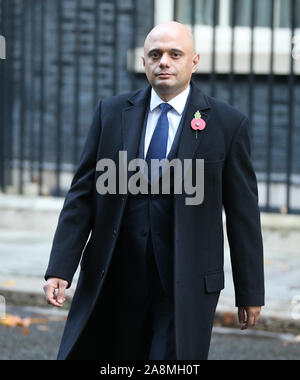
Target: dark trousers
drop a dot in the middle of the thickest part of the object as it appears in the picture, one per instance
(145, 330)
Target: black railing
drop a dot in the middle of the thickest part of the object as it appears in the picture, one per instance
(63, 55)
(275, 178)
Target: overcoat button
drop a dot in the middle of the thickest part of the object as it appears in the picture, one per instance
(102, 273)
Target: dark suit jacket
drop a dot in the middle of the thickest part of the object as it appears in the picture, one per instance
(229, 182)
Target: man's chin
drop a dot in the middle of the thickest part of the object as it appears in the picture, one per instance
(165, 84)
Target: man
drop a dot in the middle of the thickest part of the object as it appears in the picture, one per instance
(152, 270)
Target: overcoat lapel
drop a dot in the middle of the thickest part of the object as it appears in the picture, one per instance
(132, 122)
(188, 143)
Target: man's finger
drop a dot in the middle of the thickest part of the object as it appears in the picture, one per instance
(51, 296)
(61, 296)
(50, 292)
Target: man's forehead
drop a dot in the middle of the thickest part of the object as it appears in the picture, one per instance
(168, 41)
(170, 28)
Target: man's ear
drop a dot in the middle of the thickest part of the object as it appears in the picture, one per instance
(196, 59)
(143, 59)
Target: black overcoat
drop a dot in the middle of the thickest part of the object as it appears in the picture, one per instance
(89, 224)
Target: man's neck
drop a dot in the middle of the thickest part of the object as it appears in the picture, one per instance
(166, 97)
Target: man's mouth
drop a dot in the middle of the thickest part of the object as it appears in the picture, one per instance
(164, 75)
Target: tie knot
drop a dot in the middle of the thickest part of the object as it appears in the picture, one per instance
(165, 107)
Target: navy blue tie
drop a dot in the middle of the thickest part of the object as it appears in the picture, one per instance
(158, 144)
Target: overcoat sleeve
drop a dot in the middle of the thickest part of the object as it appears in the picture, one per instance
(240, 200)
(75, 219)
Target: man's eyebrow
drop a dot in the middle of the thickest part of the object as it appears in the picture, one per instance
(174, 50)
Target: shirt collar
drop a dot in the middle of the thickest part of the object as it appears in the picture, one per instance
(178, 103)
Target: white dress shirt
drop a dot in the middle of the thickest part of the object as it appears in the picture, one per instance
(174, 116)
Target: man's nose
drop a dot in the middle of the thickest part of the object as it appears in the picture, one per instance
(164, 61)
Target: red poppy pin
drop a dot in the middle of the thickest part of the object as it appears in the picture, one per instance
(198, 123)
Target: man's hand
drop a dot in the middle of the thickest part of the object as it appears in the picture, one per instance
(252, 313)
(51, 285)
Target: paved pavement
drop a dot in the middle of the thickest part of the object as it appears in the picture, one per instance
(24, 258)
(27, 228)
(41, 340)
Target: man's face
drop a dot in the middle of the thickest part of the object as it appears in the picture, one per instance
(169, 59)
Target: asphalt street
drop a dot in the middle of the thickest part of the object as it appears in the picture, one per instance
(40, 340)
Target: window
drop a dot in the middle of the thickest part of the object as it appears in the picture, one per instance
(263, 12)
(202, 12)
(284, 14)
(221, 42)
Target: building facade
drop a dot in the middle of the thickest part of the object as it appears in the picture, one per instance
(64, 55)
